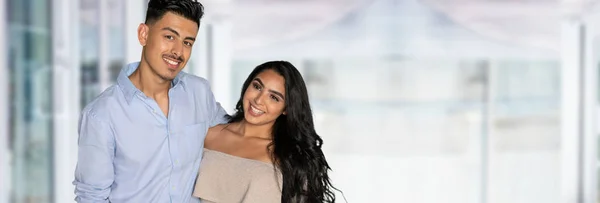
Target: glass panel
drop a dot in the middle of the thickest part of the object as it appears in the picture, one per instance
(90, 87)
(525, 132)
(391, 122)
(90, 41)
(31, 97)
(116, 42)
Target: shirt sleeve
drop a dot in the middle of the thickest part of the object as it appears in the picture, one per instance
(219, 115)
(94, 174)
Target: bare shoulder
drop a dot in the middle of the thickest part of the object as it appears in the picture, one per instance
(218, 127)
(215, 130)
(213, 134)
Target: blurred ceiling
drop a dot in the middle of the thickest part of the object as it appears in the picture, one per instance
(474, 28)
(533, 23)
(261, 22)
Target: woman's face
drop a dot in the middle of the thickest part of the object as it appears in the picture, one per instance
(264, 99)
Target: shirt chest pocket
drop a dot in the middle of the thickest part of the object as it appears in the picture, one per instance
(192, 141)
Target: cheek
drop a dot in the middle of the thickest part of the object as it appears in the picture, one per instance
(187, 52)
(164, 45)
(250, 93)
(245, 99)
(154, 41)
(158, 42)
(156, 49)
(276, 109)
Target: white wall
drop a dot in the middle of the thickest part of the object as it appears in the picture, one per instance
(135, 11)
(571, 111)
(66, 96)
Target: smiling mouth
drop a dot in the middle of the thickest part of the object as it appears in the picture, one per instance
(172, 63)
(255, 111)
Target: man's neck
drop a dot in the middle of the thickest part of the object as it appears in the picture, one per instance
(149, 83)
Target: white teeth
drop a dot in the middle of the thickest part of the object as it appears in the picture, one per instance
(171, 62)
(256, 111)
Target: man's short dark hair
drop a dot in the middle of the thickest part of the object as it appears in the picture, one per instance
(189, 9)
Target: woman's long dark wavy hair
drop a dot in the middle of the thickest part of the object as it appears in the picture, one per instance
(296, 147)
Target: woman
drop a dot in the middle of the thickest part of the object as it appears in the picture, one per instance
(269, 151)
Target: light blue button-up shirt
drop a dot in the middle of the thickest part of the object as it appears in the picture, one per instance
(129, 151)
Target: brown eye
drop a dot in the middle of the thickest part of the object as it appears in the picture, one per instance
(256, 86)
(273, 97)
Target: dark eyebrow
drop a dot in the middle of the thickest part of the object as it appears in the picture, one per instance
(272, 91)
(177, 33)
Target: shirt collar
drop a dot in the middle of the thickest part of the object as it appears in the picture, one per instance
(129, 90)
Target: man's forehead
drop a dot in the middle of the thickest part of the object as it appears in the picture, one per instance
(176, 22)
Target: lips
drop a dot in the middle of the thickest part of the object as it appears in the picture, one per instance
(255, 111)
(172, 63)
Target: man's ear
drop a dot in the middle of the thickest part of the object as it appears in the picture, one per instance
(142, 31)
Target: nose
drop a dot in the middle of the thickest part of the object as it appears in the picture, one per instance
(258, 99)
(177, 50)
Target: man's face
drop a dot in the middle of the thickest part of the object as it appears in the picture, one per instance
(167, 44)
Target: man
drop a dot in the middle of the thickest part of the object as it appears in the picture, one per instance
(141, 140)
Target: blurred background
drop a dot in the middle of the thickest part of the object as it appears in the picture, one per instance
(420, 101)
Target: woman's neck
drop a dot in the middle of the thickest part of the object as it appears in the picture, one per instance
(249, 130)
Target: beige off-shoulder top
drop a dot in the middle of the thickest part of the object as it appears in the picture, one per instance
(224, 178)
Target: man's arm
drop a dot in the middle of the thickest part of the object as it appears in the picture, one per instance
(218, 114)
(94, 174)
